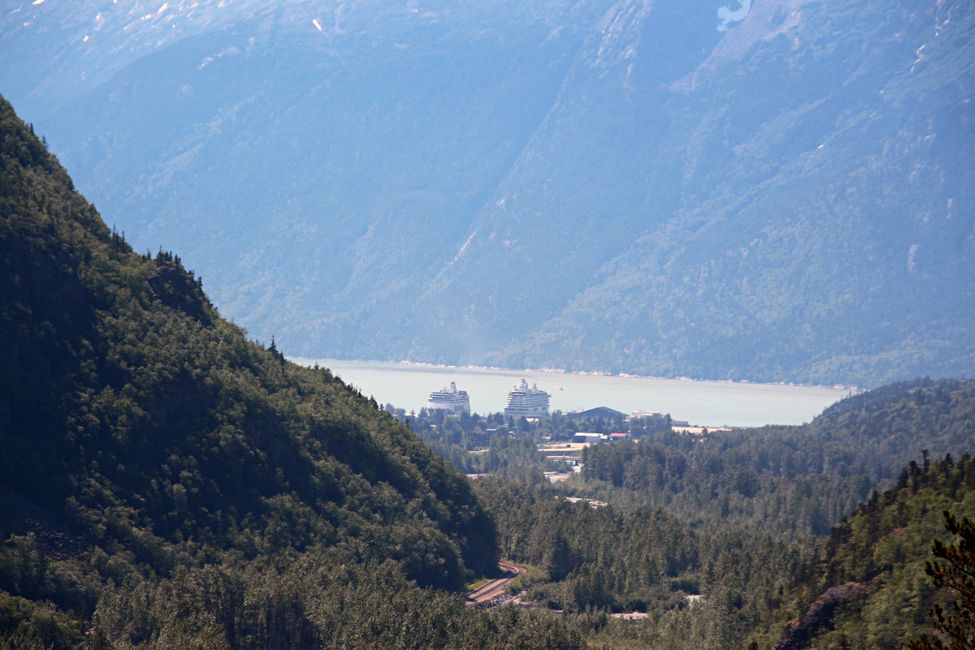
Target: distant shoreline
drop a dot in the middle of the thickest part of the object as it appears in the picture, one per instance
(716, 402)
(309, 361)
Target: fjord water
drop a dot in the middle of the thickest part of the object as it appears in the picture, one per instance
(713, 403)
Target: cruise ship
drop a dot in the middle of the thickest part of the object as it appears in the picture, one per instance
(450, 399)
(527, 402)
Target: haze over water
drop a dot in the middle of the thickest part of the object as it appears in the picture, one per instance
(712, 403)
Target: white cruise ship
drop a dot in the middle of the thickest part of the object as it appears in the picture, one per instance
(527, 402)
(450, 399)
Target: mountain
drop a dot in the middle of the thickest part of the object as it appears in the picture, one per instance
(164, 482)
(763, 189)
(870, 589)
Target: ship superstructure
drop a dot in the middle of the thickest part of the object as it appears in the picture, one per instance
(450, 399)
(527, 402)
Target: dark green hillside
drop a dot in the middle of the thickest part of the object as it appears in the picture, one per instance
(870, 590)
(143, 437)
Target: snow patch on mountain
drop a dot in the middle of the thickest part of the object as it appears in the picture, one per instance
(764, 21)
(463, 247)
(727, 16)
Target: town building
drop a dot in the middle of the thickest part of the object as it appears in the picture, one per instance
(599, 412)
(589, 437)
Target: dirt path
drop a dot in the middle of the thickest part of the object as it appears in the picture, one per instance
(494, 591)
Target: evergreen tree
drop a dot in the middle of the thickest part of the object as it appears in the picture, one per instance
(954, 568)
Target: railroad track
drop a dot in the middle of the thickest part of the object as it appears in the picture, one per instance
(493, 592)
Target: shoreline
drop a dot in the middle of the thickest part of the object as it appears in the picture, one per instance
(309, 361)
(717, 402)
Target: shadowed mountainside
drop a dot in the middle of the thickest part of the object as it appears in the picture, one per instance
(164, 481)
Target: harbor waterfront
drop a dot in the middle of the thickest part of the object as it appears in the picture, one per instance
(713, 403)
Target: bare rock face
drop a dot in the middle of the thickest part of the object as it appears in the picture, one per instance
(819, 615)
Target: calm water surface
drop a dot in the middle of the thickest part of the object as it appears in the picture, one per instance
(702, 402)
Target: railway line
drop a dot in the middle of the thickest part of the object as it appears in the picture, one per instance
(493, 593)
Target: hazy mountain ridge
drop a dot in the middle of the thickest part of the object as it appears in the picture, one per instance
(691, 289)
(614, 186)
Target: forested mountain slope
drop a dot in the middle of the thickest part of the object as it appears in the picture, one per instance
(164, 482)
(870, 589)
(770, 189)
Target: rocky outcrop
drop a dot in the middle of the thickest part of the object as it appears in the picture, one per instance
(819, 615)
